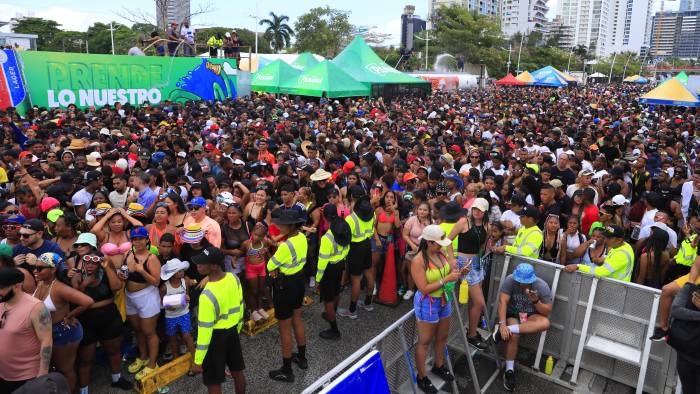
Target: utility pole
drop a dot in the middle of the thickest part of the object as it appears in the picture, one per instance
(568, 64)
(256, 18)
(624, 72)
(426, 39)
(611, 67)
(522, 38)
(112, 29)
(510, 49)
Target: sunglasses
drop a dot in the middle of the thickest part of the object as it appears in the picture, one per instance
(12, 212)
(25, 235)
(92, 259)
(10, 227)
(441, 194)
(474, 157)
(38, 268)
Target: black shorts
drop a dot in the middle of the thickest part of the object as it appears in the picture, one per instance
(360, 257)
(288, 294)
(224, 351)
(101, 324)
(330, 283)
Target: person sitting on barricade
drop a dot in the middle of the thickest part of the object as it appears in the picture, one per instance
(525, 302)
(619, 261)
(668, 293)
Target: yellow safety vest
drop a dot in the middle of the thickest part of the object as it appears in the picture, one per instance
(290, 256)
(528, 242)
(329, 253)
(686, 254)
(360, 229)
(220, 307)
(617, 265)
(214, 42)
(447, 228)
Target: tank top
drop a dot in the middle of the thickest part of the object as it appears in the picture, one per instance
(169, 290)
(434, 274)
(22, 363)
(100, 292)
(472, 241)
(136, 277)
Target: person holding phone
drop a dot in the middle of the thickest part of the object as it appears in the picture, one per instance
(434, 273)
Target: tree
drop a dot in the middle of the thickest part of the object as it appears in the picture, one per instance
(323, 30)
(277, 32)
(46, 29)
(71, 41)
(100, 40)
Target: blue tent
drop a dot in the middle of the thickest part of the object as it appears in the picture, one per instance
(549, 76)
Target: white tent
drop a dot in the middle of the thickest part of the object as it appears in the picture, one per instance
(597, 75)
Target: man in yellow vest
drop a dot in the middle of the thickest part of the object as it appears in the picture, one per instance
(361, 223)
(335, 245)
(220, 320)
(528, 241)
(618, 263)
(286, 267)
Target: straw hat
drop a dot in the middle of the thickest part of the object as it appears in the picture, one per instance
(77, 144)
(192, 234)
(320, 175)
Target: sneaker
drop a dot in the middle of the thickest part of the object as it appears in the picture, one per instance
(426, 386)
(342, 312)
(263, 314)
(122, 384)
(368, 308)
(168, 355)
(443, 373)
(256, 316)
(145, 371)
(496, 336)
(300, 361)
(408, 295)
(401, 291)
(137, 365)
(659, 334)
(281, 376)
(509, 380)
(477, 342)
(330, 334)
(312, 282)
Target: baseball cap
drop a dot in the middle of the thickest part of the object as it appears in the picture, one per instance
(619, 200)
(556, 183)
(92, 176)
(182, 154)
(409, 176)
(435, 233)
(48, 203)
(586, 172)
(210, 255)
(198, 202)
(481, 204)
(53, 215)
(614, 231)
(530, 211)
(138, 232)
(34, 224)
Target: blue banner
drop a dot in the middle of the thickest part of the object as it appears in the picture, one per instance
(366, 376)
(12, 91)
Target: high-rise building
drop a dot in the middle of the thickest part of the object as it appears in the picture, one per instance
(689, 5)
(523, 16)
(411, 24)
(168, 11)
(562, 34)
(484, 7)
(608, 26)
(676, 34)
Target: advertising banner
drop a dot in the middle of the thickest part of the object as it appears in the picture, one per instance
(11, 87)
(366, 376)
(56, 79)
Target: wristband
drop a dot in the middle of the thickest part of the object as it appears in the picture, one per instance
(442, 283)
(502, 322)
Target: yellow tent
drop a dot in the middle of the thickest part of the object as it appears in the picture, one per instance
(671, 92)
(525, 77)
(566, 76)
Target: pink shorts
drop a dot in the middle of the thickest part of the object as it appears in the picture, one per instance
(255, 271)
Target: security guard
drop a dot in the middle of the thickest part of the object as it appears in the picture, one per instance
(286, 268)
(220, 320)
(619, 261)
(335, 245)
(686, 254)
(528, 241)
(361, 222)
(450, 214)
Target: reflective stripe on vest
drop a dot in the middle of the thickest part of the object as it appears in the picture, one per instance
(295, 263)
(535, 249)
(336, 252)
(687, 254)
(359, 235)
(217, 309)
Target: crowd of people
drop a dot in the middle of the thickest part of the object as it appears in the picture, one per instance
(168, 226)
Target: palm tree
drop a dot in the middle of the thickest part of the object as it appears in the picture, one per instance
(278, 32)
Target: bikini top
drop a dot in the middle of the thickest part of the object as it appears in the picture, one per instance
(260, 252)
(137, 277)
(48, 302)
(383, 218)
(110, 249)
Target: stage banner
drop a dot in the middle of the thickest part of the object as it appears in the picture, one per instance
(12, 91)
(56, 79)
(366, 376)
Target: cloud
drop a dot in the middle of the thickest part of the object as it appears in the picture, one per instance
(392, 27)
(70, 19)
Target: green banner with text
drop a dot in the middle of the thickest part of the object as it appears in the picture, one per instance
(56, 79)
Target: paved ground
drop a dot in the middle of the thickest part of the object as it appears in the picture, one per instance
(262, 354)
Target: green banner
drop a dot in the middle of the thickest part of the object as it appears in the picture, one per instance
(55, 79)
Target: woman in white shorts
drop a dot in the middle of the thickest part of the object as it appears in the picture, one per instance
(143, 300)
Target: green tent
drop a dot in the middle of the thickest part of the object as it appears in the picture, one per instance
(304, 61)
(272, 76)
(683, 77)
(325, 79)
(360, 61)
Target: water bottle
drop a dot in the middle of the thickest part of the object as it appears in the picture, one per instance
(463, 292)
(549, 365)
(484, 323)
(592, 245)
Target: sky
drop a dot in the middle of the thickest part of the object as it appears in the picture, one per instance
(382, 15)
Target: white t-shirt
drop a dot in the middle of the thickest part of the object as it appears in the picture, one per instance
(645, 232)
(119, 200)
(81, 197)
(648, 218)
(188, 34)
(466, 167)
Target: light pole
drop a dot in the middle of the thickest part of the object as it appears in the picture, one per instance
(571, 52)
(256, 26)
(112, 29)
(624, 71)
(426, 39)
(517, 68)
(611, 67)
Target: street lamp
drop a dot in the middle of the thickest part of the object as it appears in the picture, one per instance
(611, 67)
(112, 29)
(426, 39)
(256, 26)
(510, 49)
(517, 68)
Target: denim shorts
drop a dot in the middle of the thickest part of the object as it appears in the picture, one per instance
(173, 323)
(430, 309)
(477, 273)
(64, 334)
(385, 242)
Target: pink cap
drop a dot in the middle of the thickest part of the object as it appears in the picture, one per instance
(48, 203)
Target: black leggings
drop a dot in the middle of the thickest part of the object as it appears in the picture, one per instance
(688, 373)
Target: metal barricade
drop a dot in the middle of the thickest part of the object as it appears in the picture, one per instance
(598, 324)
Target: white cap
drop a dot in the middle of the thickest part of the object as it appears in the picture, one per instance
(182, 154)
(122, 163)
(104, 131)
(435, 233)
(238, 162)
(600, 174)
(481, 204)
(619, 200)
